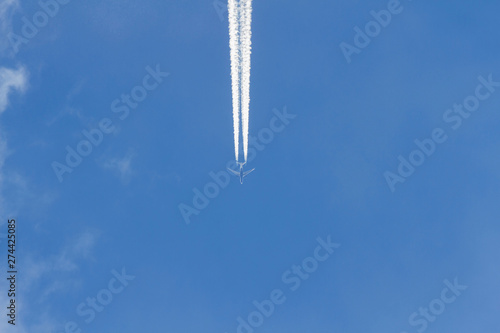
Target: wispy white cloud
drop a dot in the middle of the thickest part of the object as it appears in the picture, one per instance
(21, 195)
(11, 80)
(44, 276)
(7, 8)
(68, 109)
(64, 261)
(15, 81)
(122, 167)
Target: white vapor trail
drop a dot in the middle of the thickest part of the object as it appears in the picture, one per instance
(246, 40)
(240, 33)
(234, 41)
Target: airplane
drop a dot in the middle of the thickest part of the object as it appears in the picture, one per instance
(242, 174)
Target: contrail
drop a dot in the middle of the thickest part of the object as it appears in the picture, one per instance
(246, 42)
(234, 41)
(240, 19)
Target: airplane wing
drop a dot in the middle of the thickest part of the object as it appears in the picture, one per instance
(247, 172)
(234, 172)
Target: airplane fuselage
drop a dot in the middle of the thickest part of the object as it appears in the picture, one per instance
(241, 174)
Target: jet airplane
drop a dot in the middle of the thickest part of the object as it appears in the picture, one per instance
(242, 174)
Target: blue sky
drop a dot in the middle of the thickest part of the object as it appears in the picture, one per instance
(114, 226)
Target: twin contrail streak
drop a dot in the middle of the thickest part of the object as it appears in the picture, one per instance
(240, 34)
